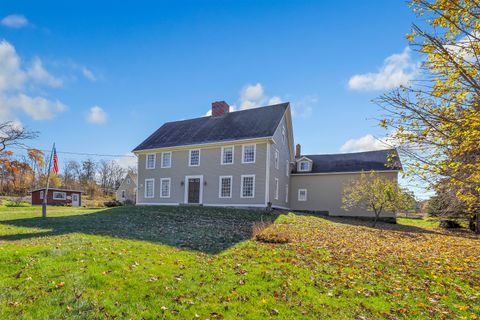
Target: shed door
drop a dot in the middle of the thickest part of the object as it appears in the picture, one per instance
(75, 200)
(194, 190)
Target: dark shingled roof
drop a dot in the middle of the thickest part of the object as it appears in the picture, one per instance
(247, 124)
(353, 162)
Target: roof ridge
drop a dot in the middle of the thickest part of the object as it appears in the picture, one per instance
(357, 152)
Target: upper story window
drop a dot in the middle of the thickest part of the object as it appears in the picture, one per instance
(194, 158)
(123, 194)
(304, 166)
(227, 155)
(128, 181)
(277, 159)
(150, 161)
(284, 138)
(166, 159)
(248, 153)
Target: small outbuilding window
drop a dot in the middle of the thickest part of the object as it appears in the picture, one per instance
(41, 194)
(302, 194)
(59, 195)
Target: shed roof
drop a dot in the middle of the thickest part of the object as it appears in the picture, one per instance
(246, 124)
(56, 189)
(355, 162)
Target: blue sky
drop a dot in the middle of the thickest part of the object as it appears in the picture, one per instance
(99, 77)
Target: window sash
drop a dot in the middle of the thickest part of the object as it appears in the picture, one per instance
(166, 159)
(225, 187)
(248, 187)
(165, 187)
(227, 155)
(249, 153)
(63, 195)
(194, 158)
(149, 188)
(150, 161)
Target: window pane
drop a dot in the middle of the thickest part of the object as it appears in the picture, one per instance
(150, 161)
(226, 187)
(165, 188)
(249, 153)
(166, 159)
(247, 187)
(227, 156)
(149, 189)
(194, 157)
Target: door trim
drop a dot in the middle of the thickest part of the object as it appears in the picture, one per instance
(185, 197)
(77, 203)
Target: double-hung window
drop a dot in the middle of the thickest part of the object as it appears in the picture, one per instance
(150, 161)
(277, 159)
(165, 187)
(194, 158)
(302, 194)
(149, 188)
(247, 186)
(225, 190)
(227, 155)
(166, 160)
(248, 153)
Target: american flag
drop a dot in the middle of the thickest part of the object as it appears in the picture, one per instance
(55, 161)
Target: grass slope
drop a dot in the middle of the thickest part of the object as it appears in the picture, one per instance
(184, 263)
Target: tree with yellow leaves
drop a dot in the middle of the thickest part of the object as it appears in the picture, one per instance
(436, 119)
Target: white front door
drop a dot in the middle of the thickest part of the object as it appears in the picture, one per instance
(75, 200)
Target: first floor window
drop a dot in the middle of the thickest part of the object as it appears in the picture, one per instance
(302, 194)
(151, 161)
(286, 193)
(165, 187)
(194, 159)
(276, 189)
(166, 159)
(149, 186)
(248, 186)
(227, 155)
(248, 154)
(59, 195)
(226, 187)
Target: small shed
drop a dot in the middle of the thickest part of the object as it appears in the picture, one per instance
(57, 197)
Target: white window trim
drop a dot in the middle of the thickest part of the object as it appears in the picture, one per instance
(145, 189)
(161, 163)
(241, 185)
(287, 169)
(286, 193)
(254, 152)
(169, 187)
(154, 160)
(306, 195)
(56, 198)
(277, 159)
(284, 138)
(220, 186)
(300, 166)
(190, 157)
(222, 157)
(276, 189)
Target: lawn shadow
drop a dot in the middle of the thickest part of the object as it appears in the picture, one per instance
(210, 230)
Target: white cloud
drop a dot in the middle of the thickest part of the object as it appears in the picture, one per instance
(11, 75)
(369, 143)
(97, 115)
(128, 161)
(303, 108)
(87, 73)
(14, 21)
(14, 95)
(274, 100)
(398, 69)
(37, 73)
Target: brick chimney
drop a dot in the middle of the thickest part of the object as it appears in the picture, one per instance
(298, 150)
(219, 108)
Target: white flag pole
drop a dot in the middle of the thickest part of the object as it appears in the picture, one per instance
(45, 196)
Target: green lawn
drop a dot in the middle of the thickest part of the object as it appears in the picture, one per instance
(192, 262)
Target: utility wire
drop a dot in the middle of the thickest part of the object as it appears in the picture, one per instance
(77, 153)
